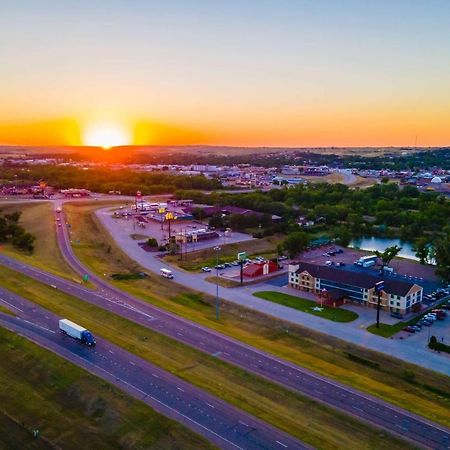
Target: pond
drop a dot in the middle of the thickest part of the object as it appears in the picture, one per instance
(380, 244)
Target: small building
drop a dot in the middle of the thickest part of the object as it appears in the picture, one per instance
(398, 296)
(258, 269)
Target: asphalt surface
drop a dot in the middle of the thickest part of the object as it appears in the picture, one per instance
(219, 422)
(363, 406)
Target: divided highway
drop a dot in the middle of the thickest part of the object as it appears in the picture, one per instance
(375, 411)
(219, 422)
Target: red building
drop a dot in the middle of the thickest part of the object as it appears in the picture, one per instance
(258, 269)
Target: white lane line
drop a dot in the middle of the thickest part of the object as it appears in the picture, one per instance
(284, 445)
(12, 306)
(156, 376)
(36, 325)
(132, 363)
(211, 406)
(182, 390)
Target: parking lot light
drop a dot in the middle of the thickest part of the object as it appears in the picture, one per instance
(217, 250)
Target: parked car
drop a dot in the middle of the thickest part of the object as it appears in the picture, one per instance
(206, 269)
(417, 328)
(227, 264)
(282, 257)
(409, 329)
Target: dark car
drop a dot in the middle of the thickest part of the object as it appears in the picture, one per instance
(409, 329)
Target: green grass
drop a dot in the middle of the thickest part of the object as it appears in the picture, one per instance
(37, 218)
(73, 409)
(304, 305)
(328, 356)
(280, 407)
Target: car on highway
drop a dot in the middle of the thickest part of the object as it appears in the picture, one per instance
(206, 269)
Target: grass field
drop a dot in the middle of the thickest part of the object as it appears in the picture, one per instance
(73, 409)
(302, 304)
(411, 387)
(207, 257)
(293, 413)
(37, 218)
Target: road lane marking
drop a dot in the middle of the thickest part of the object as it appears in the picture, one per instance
(12, 306)
(284, 445)
(36, 325)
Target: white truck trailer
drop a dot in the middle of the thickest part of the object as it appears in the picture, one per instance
(77, 332)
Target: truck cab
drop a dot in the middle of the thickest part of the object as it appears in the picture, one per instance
(87, 338)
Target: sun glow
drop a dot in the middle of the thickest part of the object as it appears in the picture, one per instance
(106, 135)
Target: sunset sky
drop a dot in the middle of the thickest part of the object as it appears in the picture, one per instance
(249, 72)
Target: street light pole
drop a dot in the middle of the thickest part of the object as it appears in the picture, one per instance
(378, 288)
(217, 250)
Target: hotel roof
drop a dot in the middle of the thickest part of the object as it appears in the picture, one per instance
(357, 279)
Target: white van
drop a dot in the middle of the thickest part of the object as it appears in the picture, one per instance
(166, 273)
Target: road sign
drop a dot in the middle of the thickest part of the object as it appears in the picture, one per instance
(242, 256)
(379, 286)
(85, 277)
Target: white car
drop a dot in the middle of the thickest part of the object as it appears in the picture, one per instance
(206, 269)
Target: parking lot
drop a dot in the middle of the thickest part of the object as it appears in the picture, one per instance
(438, 328)
(149, 225)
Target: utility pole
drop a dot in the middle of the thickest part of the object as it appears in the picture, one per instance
(378, 288)
(217, 250)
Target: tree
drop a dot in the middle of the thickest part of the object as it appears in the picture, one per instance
(442, 257)
(295, 243)
(388, 255)
(24, 241)
(423, 250)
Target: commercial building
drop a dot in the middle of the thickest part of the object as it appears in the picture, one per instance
(339, 286)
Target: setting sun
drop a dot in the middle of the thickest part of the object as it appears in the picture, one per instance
(106, 135)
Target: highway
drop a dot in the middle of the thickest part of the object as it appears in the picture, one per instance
(373, 410)
(219, 422)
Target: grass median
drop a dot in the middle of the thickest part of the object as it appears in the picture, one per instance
(37, 219)
(406, 385)
(307, 306)
(308, 420)
(73, 409)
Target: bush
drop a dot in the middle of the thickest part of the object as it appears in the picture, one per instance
(152, 242)
(438, 346)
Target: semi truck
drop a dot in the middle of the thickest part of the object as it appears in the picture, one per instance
(77, 332)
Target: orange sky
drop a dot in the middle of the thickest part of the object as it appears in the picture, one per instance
(305, 74)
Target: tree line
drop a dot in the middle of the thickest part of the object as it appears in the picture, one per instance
(11, 231)
(342, 213)
(105, 180)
